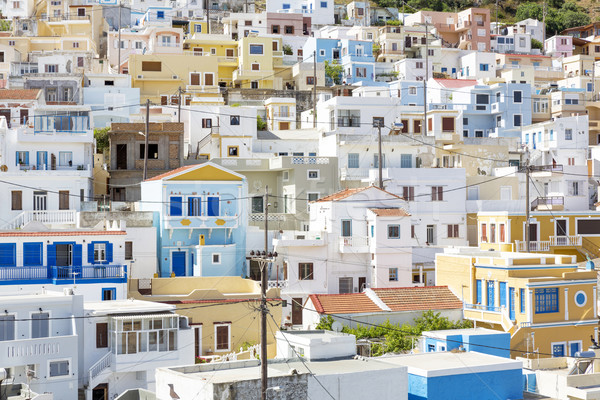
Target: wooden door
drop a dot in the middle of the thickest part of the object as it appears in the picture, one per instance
(297, 311)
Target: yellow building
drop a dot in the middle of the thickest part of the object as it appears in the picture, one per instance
(560, 232)
(260, 63)
(544, 301)
(158, 76)
(220, 46)
(223, 311)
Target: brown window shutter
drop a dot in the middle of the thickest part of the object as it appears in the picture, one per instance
(101, 335)
(448, 124)
(17, 200)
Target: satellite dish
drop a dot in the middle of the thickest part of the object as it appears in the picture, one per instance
(336, 326)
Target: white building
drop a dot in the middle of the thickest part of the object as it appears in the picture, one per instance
(18, 9)
(320, 11)
(558, 153)
(281, 113)
(530, 26)
(477, 65)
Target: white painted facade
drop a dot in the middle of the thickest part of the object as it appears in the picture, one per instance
(320, 11)
(477, 65)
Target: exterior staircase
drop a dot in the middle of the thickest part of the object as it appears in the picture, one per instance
(96, 371)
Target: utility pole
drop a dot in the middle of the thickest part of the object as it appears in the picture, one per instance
(425, 80)
(179, 105)
(380, 160)
(544, 12)
(593, 79)
(208, 16)
(527, 204)
(263, 304)
(119, 46)
(146, 139)
(315, 89)
(497, 25)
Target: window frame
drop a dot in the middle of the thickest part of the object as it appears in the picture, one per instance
(256, 46)
(547, 300)
(219, 259)
(393, 274)
(60, 360)
(14, 327)
(308, 173)
(393, 235)
(303, 269)
(222, 325)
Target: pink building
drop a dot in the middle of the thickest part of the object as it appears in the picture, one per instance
(292, 24)
(468, 29)
(559, 46)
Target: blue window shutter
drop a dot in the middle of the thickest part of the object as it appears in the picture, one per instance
(32, 254)
(26, 158)
(213, 206)
(77, 255)
(109, 252)
(16, 158)
(176, 206)
(51, 255)
(91, 253)
(8, 255)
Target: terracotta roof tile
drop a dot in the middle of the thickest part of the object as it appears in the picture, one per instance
(390, 212)
(19, 94)
(61, 233)
(419, 298)
(351, 303)
(172, 172)
(349, 192)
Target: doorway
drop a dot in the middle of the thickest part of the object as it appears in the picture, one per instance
(297, 311)
(430, 234)
(64, 255)
(178, 260)
(121, 156)
(362, 283)
(40, 201)
(533, 236)
(100, 392)
(561, 233)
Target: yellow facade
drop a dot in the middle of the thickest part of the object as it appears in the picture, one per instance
(159, 75)
(225, 50)
(545, 302)
(260, 63)
(553, 233)
(217, 301)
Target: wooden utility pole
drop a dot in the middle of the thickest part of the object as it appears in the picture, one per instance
(119, 45)
(179, 105)
(315, 89)
(263, 303)
(146, 139)
(527, 204)
(380, 160)
(425, 80)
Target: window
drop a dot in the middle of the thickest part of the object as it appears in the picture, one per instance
(7, 327)
(413, 232)
(101, 335)
(289, 30)
(352, 160)
(453, 231)
(305, 271)
(129, 250)
(206, 123)
(131, 335)
(99, 252)
(405, 161)
(109, 294)
(51, 68)
(310, 80)
(234, 120)
(483, 233)
(40, 325)
(393, 231)
(412, 90)
(348, 118)
(569, 134)
(216, 258)
(517, 96)
(65, 158)
(517, 119)
(482, 99)
(254, 85)
(313, 174)
(346, 227)
(222, 337)
(322, 52)
(11, 42)
(152, 151)
(160, 14)
(257, 204)
(575, 188)
(16, 200)
(313, 197)
(437, 193)
(232, 151)
(255, 67)
(484, 67)
(59, 368)
(492, 233)
(447, 124)
(522, 300)
(151, 66)
(139, 45)
(323, 4)
(408, 193)
(256, 49)
(393, 274)
(275, 29)
(419, 65)
(546, 300)
(75, 44)
(176, 206)
(376, 160)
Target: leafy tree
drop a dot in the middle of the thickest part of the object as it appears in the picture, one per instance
(102, 142)
(261, 125)
(536, 44)
(5, 25)
(287, 50)
(334, 71)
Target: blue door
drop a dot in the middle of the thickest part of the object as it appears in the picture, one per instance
(212, 206)
(478, 300)
(511, 302)
(574, 347)
(558, 350)
(502, 288)
(176, 206)
(178, 260)
(42, 159)
(491, 295)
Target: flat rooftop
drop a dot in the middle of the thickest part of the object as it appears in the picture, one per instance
(467, 331)
(126, 307)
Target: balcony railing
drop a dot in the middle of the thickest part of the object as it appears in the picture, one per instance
(571, 240)
(544, 245)
(550, 202)
(481, 307)
(54, 274)
(60, 123)
(349, 242)
(546, 168)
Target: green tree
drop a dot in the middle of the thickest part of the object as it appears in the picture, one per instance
(5, 25)
(536, 44)
(102, 142)
(261, 125)
(334, 71)
(287, 50)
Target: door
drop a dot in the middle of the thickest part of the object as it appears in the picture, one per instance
(511, 303)
(121, 156)
(574, 347)
(346, 227)
(178, 263)
(558, 350)
(533, 237)
(297, 311)
(100, 392)
(195, 79)
(64, 255)
(212, 205)
(40, 201)
(502, 288)
(430, 234)
(478, 292)
(24, 115)
(42, 159)
(491, 295)
(6, 114)
(561, 233)
(362, 283)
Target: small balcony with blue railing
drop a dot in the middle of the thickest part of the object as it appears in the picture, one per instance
(63, 275)
(65, 127)
(358, 58)
(210, 212)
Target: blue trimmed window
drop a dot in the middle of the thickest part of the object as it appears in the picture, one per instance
(100, 253)
(522, 300)
(176, 206)
(109, 294)
(33, 254)
(8, 255)
(546, 300)
(478, 293)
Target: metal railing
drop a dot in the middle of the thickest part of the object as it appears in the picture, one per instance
(482, 307)
(547, 201)
(88, 272)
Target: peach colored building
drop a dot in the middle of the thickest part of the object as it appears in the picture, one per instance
(468, 29)
(288, 24)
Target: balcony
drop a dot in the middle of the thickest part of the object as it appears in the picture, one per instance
(299, 238)
(227, 220)
(542, 171)
(545, 245)
(52, 124)
(31, 351)
(62, 275)
(550, 203)
(354, 244)
(490, 315)
(277, 284)
(61, 217)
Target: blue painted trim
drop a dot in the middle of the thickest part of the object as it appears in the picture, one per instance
(62, 281)
(581, 282)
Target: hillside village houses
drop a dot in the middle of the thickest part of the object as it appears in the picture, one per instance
(158, 159)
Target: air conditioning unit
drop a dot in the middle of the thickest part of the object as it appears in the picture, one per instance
(140, 76)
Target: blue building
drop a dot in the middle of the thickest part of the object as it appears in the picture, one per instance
(487, 341)
(356, 56)
(409, 92)
(91, 260)
(201, 219)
